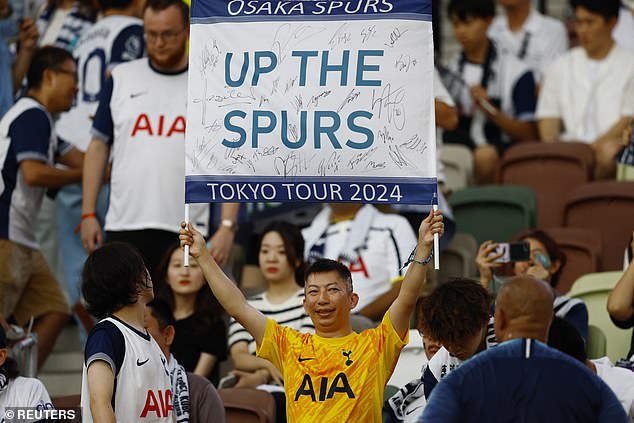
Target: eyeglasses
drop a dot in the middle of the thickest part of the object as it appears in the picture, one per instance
(167, 36)
(73, 74)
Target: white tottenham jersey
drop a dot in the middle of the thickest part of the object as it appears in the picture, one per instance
(143, 389)
(26, 133)
(111, 40)
(144, 122)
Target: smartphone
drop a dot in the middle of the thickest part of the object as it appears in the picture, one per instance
(513, 251)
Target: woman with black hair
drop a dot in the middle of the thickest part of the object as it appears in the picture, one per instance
(17, 391)
(200, 343)
(546, 262)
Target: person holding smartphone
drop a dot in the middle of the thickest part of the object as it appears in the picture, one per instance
(545, 262)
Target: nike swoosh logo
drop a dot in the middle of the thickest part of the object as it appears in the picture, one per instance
(408, 412)
(140, 363)
(134, 95)
(301, 360)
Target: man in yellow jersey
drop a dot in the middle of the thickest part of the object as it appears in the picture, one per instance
(335, 375)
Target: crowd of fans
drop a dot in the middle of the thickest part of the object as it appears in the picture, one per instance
(86, 233)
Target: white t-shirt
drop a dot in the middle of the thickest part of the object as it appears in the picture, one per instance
(112, 40)
(26, 133)
(540, 41)
(620, 380)
(25, 392)
(567, 89)
(141, 115)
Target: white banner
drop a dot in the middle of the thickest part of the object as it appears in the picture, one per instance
(311, 101)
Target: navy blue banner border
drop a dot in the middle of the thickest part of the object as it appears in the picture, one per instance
(247, 189)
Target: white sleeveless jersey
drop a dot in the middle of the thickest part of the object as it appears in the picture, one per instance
(147, 185)
(142, 389)
(111, 40)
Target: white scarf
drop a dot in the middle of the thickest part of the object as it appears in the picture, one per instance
(349, 250)
(180, 390)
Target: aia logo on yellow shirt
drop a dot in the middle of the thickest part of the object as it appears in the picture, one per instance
(326, 390)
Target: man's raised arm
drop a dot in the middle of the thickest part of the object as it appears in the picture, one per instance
(402, 308)
(227, 293)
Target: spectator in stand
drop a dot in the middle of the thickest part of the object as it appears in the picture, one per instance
(564, 337)
(546, 263)
(201, 336)
(356, 365)
(125, 374)
(584, 95)
(522, 379)
(494, 91)
(194, 398)
(373, 245)
(140, 96)
(532, 37)
(458, 312)
(17, 391)
(621, 299)
(457, 315)
(116, 38)
(29, 150)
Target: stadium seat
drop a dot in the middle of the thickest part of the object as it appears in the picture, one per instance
(459, 257)
(607, 206)
(495, 212)
(594, 289)
(597, 343)
(583, 248)
(458, 166)
(243, 405)
(390, 390)
(552, 170)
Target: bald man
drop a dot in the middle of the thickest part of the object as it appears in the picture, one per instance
(522, 379)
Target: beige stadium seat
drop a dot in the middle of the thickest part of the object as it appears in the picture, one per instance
(594, 289)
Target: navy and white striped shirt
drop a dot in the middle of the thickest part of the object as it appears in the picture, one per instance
(290, 313)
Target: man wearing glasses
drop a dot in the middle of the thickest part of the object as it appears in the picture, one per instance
(141, 121)
(29, 149)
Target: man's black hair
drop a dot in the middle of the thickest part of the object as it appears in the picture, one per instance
(162, 312)
(328, 265)
(112, 277)
(608, 9)
(454, 310)
(566, 338)
(44, 58)
(464, 9)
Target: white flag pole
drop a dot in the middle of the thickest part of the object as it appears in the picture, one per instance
(186, 252)
(436, 238)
